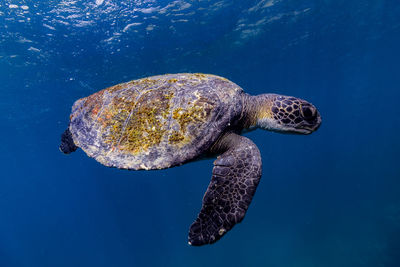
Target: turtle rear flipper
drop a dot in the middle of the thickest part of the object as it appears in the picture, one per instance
(236, 174)
(67, 145)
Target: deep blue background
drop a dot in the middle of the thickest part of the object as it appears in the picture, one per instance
(328, 199)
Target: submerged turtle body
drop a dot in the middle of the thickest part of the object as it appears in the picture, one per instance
(155, 122)
(167, 120)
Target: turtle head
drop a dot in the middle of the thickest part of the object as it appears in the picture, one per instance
(286, 114)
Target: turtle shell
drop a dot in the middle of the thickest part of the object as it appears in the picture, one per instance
(156, 122)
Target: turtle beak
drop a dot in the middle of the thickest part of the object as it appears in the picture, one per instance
(312, 125)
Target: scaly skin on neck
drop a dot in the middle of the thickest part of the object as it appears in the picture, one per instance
(255, 108)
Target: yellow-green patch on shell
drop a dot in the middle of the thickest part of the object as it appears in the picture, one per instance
(155, 122)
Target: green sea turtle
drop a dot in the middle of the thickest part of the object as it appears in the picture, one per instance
(164, 121)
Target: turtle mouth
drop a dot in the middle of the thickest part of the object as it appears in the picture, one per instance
(308, 127)
(304, 131)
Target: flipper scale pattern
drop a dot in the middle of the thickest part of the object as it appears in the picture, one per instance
(235, 177)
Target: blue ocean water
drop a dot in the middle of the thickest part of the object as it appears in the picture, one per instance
(328, 199)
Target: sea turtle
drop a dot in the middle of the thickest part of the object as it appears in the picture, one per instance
(167, 120)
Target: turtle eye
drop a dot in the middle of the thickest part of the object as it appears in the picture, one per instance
(308, 113)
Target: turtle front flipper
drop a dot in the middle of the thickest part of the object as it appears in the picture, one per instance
(235, 177)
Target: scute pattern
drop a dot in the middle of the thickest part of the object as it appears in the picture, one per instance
(141, 124)
(235, 177)
(155, 122)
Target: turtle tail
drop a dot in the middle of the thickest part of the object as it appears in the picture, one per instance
(67, 143)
